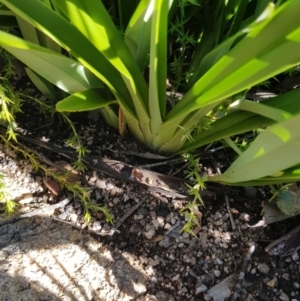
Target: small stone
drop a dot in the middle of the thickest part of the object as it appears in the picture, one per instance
(185, 235)
(263, 268)
(219, 261)
(138, 216)
(193, 261)
(200, 289)
(295, 256)
(296, 285)
(38, 179)
(63, 216)
(167, 226)
(106, 226)
(135, 228)
(73, 217)
(160, 220)
(207, 297)
(97, 226)
(216, 234)
(101, 184)
(171, 256)
(155, 223)
(284, 297)
(285, 276)
(217, 273)
(165, 242)
(149, 231)
(272, 282)
(225, 217)
(154, 262)
(116, 201)
(152, 214)
(251, 192)
(53, 186)
(222, 290)
(176, 277)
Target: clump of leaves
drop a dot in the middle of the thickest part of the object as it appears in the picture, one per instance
(76, 142)
(5, 197)
(83, 194)
(191, 218)
(10, 102)
(193, 175)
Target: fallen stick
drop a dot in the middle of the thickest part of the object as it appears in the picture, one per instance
(167, 185)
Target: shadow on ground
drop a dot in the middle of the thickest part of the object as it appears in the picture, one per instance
(42, 259)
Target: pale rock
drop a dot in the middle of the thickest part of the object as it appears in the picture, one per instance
(284, 297)
(272, 282)
(149, 231)
(200, 289)
(263, 268)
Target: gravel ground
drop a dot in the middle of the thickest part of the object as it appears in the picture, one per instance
(55, 255)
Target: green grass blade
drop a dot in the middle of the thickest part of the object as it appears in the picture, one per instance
(231, 144)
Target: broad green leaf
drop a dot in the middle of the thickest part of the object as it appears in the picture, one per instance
(287, 176)
(65, 73)
(84, 101)
(70, 38)
(93, 21)
(272, 152)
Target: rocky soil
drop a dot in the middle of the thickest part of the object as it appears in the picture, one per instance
(48, 252)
